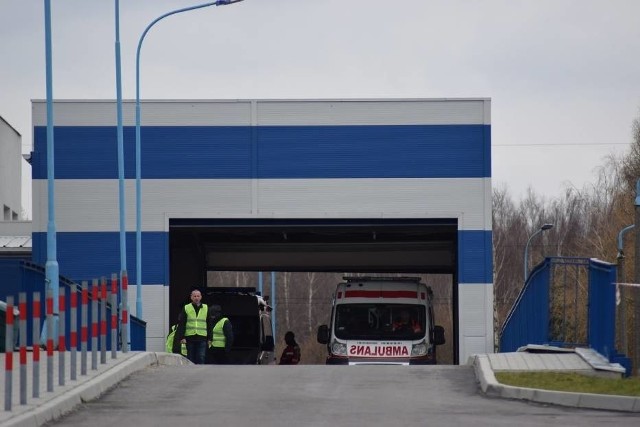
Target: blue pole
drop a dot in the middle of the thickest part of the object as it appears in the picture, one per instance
(138, 189)
(120, 136)
(273, 302)
(51, 266)
(260, 282)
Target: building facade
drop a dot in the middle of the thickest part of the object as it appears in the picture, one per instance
(409, 161)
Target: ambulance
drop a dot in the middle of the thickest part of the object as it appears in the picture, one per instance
(381, 321)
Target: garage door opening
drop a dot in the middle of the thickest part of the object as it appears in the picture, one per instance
(308, 258)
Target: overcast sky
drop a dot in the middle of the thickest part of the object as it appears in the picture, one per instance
(563, 75)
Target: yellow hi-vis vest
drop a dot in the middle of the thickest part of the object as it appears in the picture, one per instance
(169, 343)
(219, 340)
(196, 325)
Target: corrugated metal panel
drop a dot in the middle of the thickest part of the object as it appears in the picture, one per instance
(14, 242)
(270, 112)
(390, 151)
(152, 113)
(475, 310)
(371, 112)
(91, 205)
(84, 256)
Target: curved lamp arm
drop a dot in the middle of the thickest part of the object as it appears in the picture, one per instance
(526, 248)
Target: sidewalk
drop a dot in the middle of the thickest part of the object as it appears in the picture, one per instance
(63, 399)
(487, 364)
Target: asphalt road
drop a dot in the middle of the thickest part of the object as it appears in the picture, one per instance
(278, 396)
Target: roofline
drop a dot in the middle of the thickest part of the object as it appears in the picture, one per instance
(9, 124)
(38, 101)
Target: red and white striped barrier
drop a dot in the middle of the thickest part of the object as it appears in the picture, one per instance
(125, 313)
(100, 296)
(61, 337)
(36, 345)
(73, 330)
(84, 325)
(114, 316)
(8, 359)
(22, 308)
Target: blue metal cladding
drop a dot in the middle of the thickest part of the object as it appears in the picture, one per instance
(87, 255)
(84, 255)
(182, 152)
(475, 259)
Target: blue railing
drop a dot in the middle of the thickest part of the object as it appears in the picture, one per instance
(24, 276)
(566, 302)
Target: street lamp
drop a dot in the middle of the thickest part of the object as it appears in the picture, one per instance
(51, 266)
(138, 191)
(526, 248)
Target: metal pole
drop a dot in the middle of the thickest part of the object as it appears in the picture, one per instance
(73, 330)
(526, 248)
(103, 320)
(8, 357)
(61, 340)
(22, 308)
(36, 345)
(622, 312)
(84, 326)
(120, 135)
(49, 340)
(114, 316)
(51, 266)
(94, 324)
(636, 292)
(138, 149)
(273, 303)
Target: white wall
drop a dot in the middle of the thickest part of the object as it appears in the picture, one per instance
(10, 172)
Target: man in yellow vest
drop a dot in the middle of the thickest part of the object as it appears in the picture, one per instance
(221, 337)
(169, 342)
(195, 328)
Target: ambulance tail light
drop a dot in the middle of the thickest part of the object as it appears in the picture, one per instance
(338, 348)
(419, 349)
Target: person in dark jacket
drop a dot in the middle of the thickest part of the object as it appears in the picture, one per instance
(221, 337)
(291, 353)
(194, 328)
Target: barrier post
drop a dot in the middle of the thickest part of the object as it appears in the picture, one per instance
(22, 307)
(8, 359)
(49, 339)
(94, 324)
(114, 315)
(61, 338)
(103, 320)
(36, 345)
(84, 316)
(125, 313)
(73, 332)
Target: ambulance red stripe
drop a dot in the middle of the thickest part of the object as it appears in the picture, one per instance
(380, 294)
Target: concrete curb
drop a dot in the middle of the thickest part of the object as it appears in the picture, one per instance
(491, 387)
(91, 389)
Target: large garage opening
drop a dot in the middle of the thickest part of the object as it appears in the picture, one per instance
(307, 258)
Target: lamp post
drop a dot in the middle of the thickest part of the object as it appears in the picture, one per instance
(138, 190)
(120, 138)
(526, 248)
(51, 266)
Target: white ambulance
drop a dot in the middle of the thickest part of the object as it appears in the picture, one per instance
(381, 320)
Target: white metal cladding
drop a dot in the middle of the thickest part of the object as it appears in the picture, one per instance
(91, 205)
(475, 308)
(155, 307)
(269, 112)
(372, 112)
